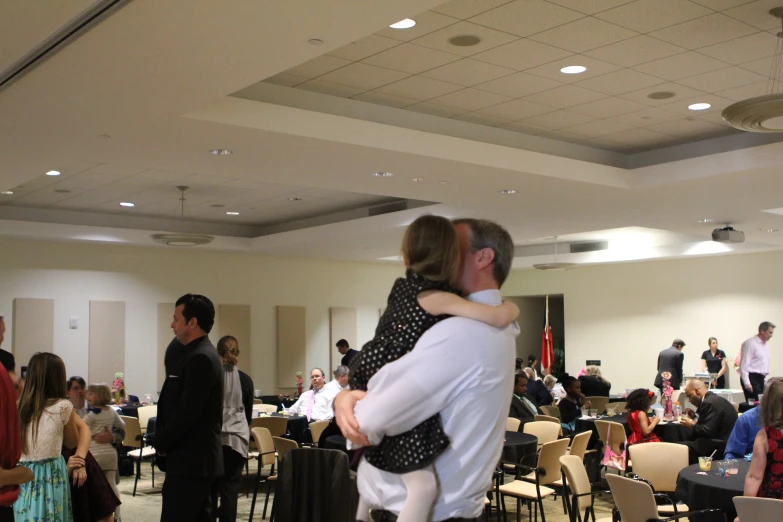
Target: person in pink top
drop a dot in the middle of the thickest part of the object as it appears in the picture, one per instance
(755, 361)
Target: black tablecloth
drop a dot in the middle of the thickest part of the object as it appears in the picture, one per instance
(517, 446)
(711, 490)
(744, 406)
(130, 411)
(277, 401)
(669, 432)
(297, 427)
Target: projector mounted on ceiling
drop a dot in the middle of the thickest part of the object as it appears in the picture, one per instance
(728, 234)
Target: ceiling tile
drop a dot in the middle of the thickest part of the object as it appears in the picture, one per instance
(516, 110)
(419, 88)
(704, 31)
(434, 110)
(464, 9)
(470, 99)
(600, 143)
(551, 70)
(646, 117)
(590, 6)
(757, 14)
(598, 128)
(518, 85)
(489, 39)
(521, 126)
(481, 119)
(426, 22)
(468, 72)
(634, 51)
(365, 47)
(645, 16)
(690, 128)
(763, 66)
(746, 91)
(286, 80)
(713, 117)
(722, 79)
(745, 49)
(584, 35)
(522, 54)
(641, 137)
(681, 66)
(565, 96)
(380, 98)
(409, 58)
(557, 120)
(362, 76)
(619, 82)
(526, 17)
(561, 135)
(721, 5)
(608, 107)
(681, 92)
(332, 89)
(318, 66)
(717, 105)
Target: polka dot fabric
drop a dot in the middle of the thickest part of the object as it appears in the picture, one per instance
(400, 327)
(772, 484)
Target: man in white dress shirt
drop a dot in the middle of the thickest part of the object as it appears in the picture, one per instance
(340, 381)
(754, 366)
(316, 403)
(461, 369)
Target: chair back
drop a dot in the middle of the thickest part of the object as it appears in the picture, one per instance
(552, 411)
(576, 478)
(283, 446)
(258, 401)
(544, 431)
(598, 403)
(659, 463)
(265, 408)
(617, 435)
(579, 444)
(761, 509)
(547, 418)
(549, 460)
(265, 445)
(634, 499)
(277, 426)
(317, 428)
(618, 407)
(512, 424)
(145, 414)
(132, 432)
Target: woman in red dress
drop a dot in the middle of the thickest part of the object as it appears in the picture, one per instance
(765, 477)
(639, 401)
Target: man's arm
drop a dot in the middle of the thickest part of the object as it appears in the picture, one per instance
(735, 447)
(298, 404)
(747, 352)
(707, 427)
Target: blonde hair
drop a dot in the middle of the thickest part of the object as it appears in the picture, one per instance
(595, 371)
(431, 248)
(102, 394)
(772, 405)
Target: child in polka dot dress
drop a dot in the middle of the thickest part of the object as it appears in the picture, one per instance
(421, 299)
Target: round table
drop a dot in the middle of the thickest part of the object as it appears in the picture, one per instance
(296, 427)
(670, 432)
(516, 446)
(711, 490)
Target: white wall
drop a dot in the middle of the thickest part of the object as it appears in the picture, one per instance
(624, 314)
(73, 274)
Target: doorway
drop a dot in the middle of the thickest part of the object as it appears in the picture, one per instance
(532, 314)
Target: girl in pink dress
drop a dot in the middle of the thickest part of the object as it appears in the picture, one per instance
(639, 401)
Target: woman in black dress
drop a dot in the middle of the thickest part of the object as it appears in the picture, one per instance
(714, 361)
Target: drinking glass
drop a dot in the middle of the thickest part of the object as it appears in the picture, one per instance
(593, 413)
(733, 466)
(705, 463)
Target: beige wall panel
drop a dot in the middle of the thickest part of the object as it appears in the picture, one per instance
(291, 346)
(235, 321)
(107, 341)
(342, 325)
(165, 336)
(33, 325)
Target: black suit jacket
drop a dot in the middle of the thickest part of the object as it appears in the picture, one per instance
(190, 413)
(519, 411)
(716, 419)
(670, 360)
(541, 396)
(593, 386)
(349, 356)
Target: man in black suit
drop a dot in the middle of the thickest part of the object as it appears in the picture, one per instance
(348, 353)
(716, 419)
(523, 407)
(190, 416)
(670, 360)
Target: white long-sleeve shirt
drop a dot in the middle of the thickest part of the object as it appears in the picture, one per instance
(464, 370)
(755, 358)
(322, 407)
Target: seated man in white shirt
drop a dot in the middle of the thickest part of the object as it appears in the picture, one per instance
(460, 368)
(340, 381)
(315, 403)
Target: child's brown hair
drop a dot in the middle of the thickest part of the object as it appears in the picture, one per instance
(431, 248)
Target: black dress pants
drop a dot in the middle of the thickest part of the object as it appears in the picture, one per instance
(228, 484)
(757, 382)
(187, 499)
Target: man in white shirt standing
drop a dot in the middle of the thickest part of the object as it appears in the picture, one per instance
(340, 381)
(316, 403)
(754, 366)
(460, 368)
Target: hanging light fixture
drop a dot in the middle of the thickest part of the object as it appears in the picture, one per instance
(555, 265)
(183, 239)
(762, 113)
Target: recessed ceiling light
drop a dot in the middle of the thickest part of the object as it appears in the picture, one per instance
(465, 40)
(443, 182)
(7, 193)
(232, 213)
(63, 191)
(706, 220)
(294, 199)
(404, 24)
(53, 173)
(661, 95)
(127, 204)
(699, 106)
(221, 152)
(508, 191)
(416, 180)
(384, 174)
(315, 41)
(573, 69)
(217, 206)
(769, 229)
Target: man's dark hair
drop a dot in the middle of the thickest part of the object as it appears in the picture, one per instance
(200, 307)
(518, 377)
(678, 343)
(487, 234)
(342, 343)
(74, 379)
(763, 327)
(518, 364)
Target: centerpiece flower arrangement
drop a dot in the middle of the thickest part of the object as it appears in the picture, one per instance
(667, 395)
(299, 383)
(118, 387)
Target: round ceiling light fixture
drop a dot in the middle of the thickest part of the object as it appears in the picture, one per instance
(706, 220)
(555, 265)
(465, 40)
(404, 24)
(53, 173)
(221, 152)
(699, 106)
(661, 95)
(232, 213)
(127, 204)
(294, 199)
(508, 191)
(573, 69)
(417, 180)
(315, 41)
(182, 239)
(7, 193)
(384, 174)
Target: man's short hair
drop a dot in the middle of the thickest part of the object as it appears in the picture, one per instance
(518, 377)
(74, 379)
(488, 234)
(341, 371)
(342, 343)
(678, 343)
(763, 327)
(200, 307)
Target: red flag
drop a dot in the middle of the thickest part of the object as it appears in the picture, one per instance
(547, 347)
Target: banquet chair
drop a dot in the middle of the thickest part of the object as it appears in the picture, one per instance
(257, 401)
(512, 424)
(552, 411)
(282, 448)
(750, 509)
(618, 407)
(145, 414)
(277, 426)
(547, 418)
(265, 408)
(598, 403)
(535, 485)
(659, 464)
(544, 431)
(135, 439)
(635, 501)
(617, 436)
(582, 494)
(579, 444)
(266, 457)
(316, 429)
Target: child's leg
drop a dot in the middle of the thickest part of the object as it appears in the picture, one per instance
(363, 512)
(422, 489)
(110, 477)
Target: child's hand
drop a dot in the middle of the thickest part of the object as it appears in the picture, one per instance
(510, 311)
(79, 477)
(74, 462)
